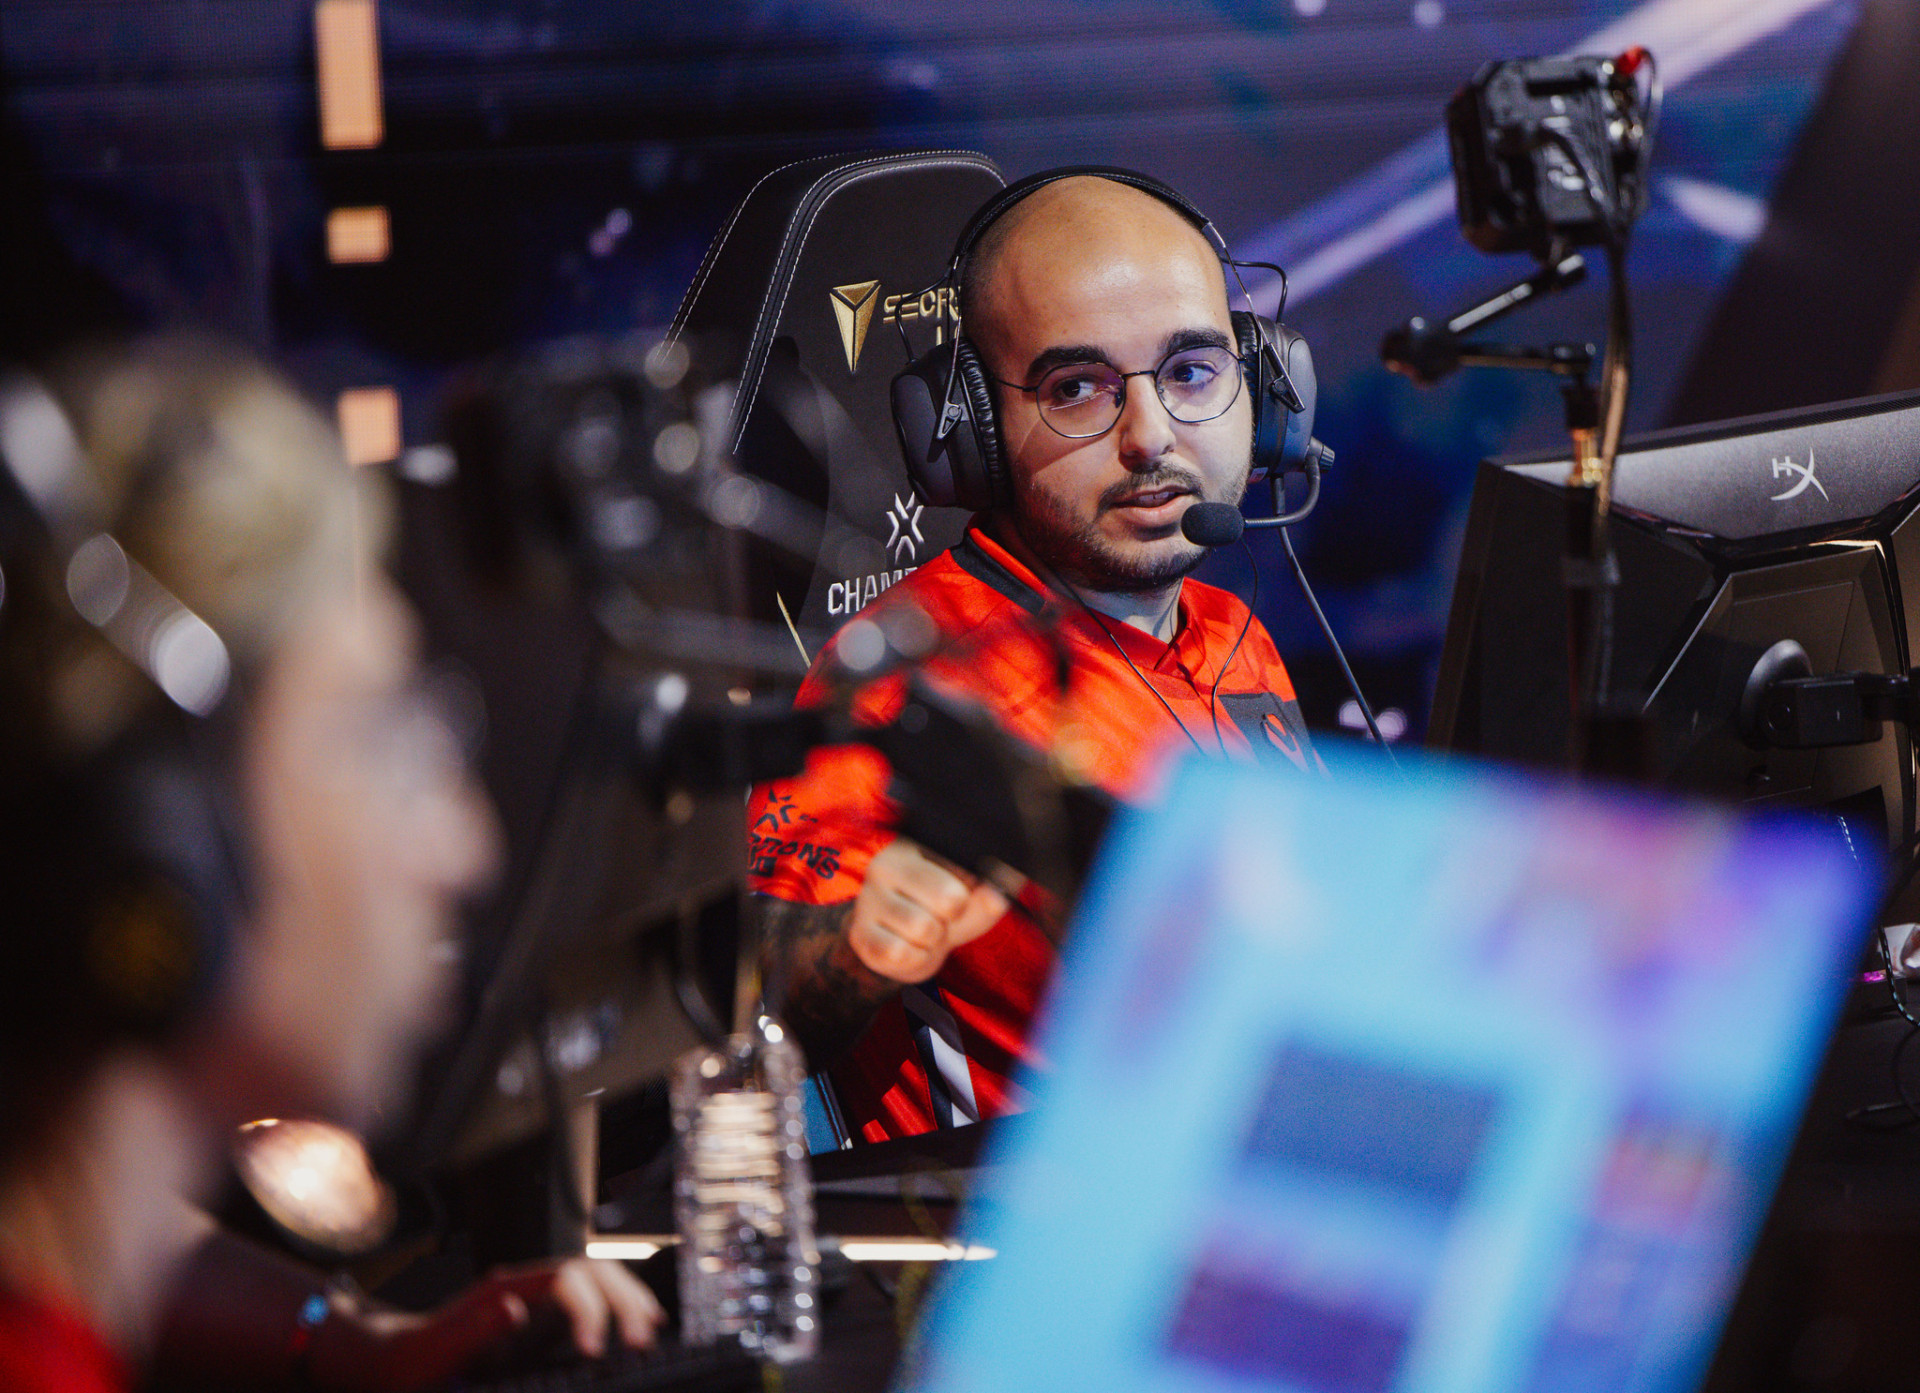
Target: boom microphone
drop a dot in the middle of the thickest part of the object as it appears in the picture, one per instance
(1212, 524)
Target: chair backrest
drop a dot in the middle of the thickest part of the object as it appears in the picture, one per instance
(802, 300)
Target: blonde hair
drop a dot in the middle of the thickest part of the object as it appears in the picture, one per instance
(223, 483)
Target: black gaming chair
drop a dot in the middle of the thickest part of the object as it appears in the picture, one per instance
(802, 300)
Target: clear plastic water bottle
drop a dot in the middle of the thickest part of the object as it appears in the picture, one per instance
(743, 1201)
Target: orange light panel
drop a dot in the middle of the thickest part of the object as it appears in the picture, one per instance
(346, 45)
(369, 424)
(357, 234)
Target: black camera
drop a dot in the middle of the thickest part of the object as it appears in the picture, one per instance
(1548, 153)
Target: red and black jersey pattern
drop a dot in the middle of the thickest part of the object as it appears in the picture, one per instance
(1128, 702)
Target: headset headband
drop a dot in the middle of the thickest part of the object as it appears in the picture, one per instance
(41, 465)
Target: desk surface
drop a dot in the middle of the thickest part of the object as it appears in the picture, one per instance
(910, 1188)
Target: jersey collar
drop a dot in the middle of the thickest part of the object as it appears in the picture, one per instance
(988, 562)
(993, 565)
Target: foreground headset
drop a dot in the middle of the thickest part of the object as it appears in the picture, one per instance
(943, 403)
(122, 865)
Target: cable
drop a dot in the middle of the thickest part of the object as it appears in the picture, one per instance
(1114, 639)
(567, 1179)
(1909, 852)
(1353, 684)
(1282, 378)
(1913, 1026)
(687, 990)
(1870, 1115)
(1213, 697)
(1893, 981)
(1616, 221)
(1615, 376)
(1058, 584)
(1899, 1084)
(1649, 122)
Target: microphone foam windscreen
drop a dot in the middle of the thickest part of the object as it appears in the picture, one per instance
(1212, 524)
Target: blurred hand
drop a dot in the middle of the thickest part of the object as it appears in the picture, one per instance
(374, 1351)
(913, 910)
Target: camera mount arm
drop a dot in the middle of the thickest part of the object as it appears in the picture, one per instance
(1428, 352)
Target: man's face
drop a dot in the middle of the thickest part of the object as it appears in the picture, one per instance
(1106, 274)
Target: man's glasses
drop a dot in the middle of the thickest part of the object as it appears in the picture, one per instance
(1082, 400)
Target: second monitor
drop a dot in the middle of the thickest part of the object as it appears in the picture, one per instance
(1730, 537)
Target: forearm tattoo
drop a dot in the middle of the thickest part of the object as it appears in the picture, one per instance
(826, 995)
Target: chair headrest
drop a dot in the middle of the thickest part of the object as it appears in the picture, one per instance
(803, 299)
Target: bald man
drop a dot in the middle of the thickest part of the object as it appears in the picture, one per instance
(1101, 314)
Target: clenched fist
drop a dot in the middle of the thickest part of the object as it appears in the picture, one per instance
(913, 910)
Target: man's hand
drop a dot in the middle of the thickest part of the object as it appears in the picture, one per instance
(913, 910)
(839, 963)
(391, 1352)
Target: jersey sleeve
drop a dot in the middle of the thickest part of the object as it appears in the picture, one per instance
(810, 837)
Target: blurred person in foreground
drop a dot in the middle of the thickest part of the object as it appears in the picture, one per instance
(232, 834)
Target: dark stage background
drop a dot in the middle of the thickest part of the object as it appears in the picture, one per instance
(552, 168)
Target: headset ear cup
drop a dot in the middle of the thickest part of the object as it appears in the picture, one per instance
(161, 923)
(961, 470)
(1280, 437)
(1297, 437)
(125, 896)
(1269, 412)
(987, 484)
(919, 406)
(144, 950)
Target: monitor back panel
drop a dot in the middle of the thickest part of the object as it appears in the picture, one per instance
(1729, 538)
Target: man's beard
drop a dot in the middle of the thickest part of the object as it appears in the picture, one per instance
(1074, 548)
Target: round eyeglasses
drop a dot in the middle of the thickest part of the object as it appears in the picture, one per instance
(1082, 400)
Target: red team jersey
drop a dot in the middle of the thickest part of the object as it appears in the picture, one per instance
(45, 1348)
(948, 1052)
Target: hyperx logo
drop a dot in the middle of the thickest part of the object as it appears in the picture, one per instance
(1786, 468)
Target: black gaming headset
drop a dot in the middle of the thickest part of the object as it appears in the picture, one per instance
(943, 405)
(125, 865)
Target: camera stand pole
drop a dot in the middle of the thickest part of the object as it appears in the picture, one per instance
(1589, 571)
(1609, 734)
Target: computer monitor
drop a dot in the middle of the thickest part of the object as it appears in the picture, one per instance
(1421, 1080)
(1730, 537)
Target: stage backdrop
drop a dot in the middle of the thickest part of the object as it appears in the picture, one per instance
(553, 168)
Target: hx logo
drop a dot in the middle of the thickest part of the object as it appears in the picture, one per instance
(1787, 469)
(853, 307)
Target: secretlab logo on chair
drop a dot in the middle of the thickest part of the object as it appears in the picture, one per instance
(853, 308)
